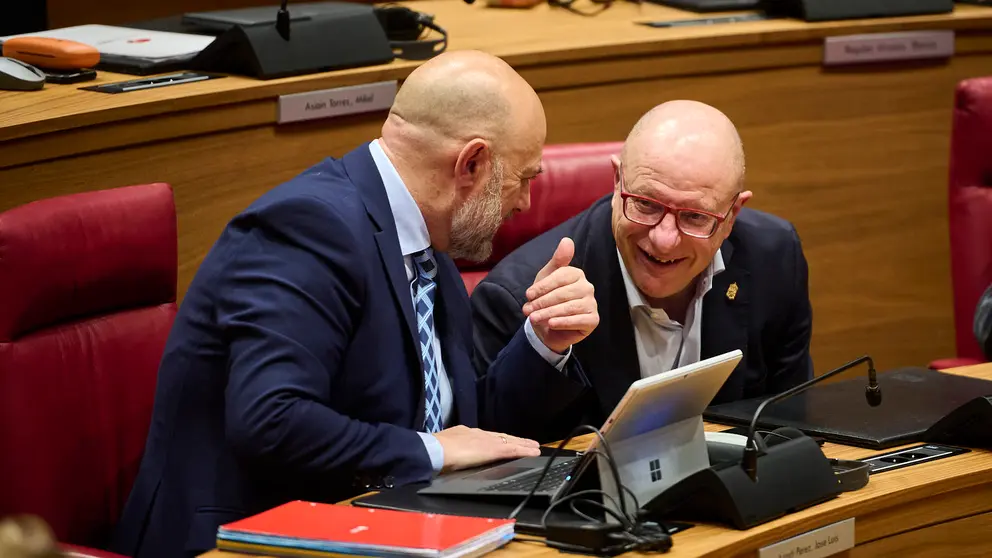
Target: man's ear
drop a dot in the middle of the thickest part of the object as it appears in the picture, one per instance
(738, 205)
(472, 163)
(741, 200)
(616, 173)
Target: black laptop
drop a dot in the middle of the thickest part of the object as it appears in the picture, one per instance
(221, 20)
(705, 6)
(913, 399)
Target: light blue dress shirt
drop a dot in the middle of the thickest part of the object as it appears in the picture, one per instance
(413, 237)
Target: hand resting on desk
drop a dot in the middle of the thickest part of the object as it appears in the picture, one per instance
(465, 447)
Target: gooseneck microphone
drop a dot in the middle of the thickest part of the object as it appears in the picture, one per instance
(873, 394)
(282, 20)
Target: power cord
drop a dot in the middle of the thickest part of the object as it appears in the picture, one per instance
(594, 535)
(569, 5)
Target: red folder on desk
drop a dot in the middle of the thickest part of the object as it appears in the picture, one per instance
(310, 529)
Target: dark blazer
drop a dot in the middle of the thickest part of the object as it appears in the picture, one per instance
(292, 371)
(982, 324)
(770, 320)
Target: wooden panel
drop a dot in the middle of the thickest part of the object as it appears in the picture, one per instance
(964, 538)
(921, 513)
(540, 37)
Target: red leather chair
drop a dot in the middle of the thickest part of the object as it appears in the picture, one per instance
(87, 299)
(970, 212)
(575, 176)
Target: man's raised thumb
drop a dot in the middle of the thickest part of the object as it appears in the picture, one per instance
(561, 258)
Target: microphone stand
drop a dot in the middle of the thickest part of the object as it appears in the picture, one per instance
(872, 393)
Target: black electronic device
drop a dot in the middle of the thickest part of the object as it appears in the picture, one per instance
(969, 425)
(69, 76)
(774, 477)
(405, 29)
(917, 398)
(852, 475)
(793, 475)
(706, 6)
(344, 35)
(829, 10)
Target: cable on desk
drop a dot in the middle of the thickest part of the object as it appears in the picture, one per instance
(632, 534)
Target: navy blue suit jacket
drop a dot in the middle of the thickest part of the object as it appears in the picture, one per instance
(293, 371)
(769, 319)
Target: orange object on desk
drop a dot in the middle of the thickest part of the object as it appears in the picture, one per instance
(55, 54)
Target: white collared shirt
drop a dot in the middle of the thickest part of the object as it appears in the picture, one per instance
(412, 234)
(662, 343)
(411, 230)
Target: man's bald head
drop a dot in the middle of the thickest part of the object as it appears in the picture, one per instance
(679, 189)
(464, 94)
(690, 135)
(466, 134)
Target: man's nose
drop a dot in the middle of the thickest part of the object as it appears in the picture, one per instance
(523, 202)
(665, 235)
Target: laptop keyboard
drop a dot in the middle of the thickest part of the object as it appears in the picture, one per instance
(524, 483)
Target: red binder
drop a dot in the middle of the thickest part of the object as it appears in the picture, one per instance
(310, 529)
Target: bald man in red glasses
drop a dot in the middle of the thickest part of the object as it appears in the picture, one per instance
(682, 272)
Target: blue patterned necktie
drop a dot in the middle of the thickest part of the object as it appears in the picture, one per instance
(423, 288)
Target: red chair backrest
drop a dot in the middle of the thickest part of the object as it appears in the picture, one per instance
(87, 299)
(970, 203)
(575, 176)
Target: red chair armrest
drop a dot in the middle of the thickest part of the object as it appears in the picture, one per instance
(945, 363)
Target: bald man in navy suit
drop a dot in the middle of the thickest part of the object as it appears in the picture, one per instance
(324, 347)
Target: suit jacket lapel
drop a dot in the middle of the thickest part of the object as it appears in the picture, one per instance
(609, 354)
(363, 172)
(725, 307)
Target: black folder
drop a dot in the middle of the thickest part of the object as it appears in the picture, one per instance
(913, 399)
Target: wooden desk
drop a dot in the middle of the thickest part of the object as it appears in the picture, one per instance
(943, 508)
(856, 158)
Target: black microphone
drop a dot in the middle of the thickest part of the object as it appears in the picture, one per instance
(873, 394)
(282, 20)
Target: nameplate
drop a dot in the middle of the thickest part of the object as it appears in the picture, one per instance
(336, 102)
(886, 47)
(825, 541)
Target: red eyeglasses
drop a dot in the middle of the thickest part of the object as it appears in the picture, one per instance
(649, 212)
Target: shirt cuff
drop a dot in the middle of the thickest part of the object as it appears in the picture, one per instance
(553, 358)
(434, 450)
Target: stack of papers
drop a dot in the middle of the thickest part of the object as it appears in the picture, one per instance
(126, 42)
(310, 529)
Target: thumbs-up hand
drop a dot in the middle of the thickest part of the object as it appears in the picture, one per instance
(561, 304)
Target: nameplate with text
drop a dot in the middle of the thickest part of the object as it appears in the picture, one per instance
(825, 541)
(337, 102)
(887, 47)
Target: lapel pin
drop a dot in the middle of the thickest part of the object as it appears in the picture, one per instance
(732, 291)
